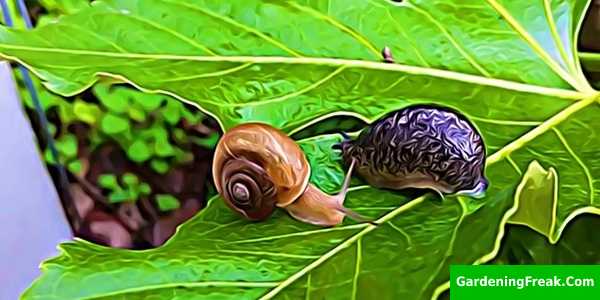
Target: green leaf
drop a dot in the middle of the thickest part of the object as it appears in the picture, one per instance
(259, 59)
(160, 166)
(130, 179)
(510, 66)
(247, 259)
(48, 157)
(119, 196)
(75, 166)
(163, 148)
(109, 97)
(179, 135)
(108, 181)
(193, 116)
(136, 113)
(149, 102)
(534, 210)
(172, 112)
(167, 202)
(209, 142)
(145, 189)
(139, 151)
(64, 6)
(113, 124)
(67, 146)
(86, 112)
(579, 245)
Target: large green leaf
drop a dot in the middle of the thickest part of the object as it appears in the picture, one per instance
(275, 64)
(579, 245)
(217, 254)
(508, 65)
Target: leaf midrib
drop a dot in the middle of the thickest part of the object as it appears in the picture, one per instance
(498, 156)
(366, 228)
(537, 48)
(334, 62)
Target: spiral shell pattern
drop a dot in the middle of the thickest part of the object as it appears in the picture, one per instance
(257, 167)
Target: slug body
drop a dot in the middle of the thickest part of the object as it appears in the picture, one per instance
(258, 168)
(421, 146)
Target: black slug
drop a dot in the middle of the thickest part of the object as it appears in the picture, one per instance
(421, 146)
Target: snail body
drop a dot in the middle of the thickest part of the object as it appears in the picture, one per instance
(258, 168)
(421, 146)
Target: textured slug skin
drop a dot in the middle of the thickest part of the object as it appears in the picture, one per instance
(421, 146)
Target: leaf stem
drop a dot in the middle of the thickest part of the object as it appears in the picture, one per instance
(341, 247)
(545, 126)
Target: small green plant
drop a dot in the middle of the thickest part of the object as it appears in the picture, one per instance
(127, 188)
(167, 202)
(143, 125)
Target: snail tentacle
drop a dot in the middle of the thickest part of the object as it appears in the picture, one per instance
(318, 208)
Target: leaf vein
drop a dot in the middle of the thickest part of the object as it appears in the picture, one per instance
(542, 128)
(450, 247)
(414, 70)
(170, 31)
(402, 31)
(357, 36)
(347, 243)
(95, 35)
(536, 47)
(299, 233)
(357, 268)
(297, 93)
(228, 71)
(556, 37)
(577, 159)
(450, 38)
(265, 253)
(238, 25)
(514, 165)
(402, 232)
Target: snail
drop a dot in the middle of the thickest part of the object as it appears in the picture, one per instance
(257, 168)
(420, 146)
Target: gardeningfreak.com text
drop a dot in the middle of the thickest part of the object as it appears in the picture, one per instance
(526, 281)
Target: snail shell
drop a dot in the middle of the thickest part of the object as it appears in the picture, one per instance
(257, 168)
(421, 146)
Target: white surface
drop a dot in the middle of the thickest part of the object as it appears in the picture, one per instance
(31, 216)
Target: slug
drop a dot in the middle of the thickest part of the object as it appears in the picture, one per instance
(257, 168)
(421, 146)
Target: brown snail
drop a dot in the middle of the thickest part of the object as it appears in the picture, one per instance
(257, 168)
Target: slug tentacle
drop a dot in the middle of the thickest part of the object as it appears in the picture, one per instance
(318, 208)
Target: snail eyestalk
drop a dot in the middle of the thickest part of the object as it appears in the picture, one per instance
(316, 207)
